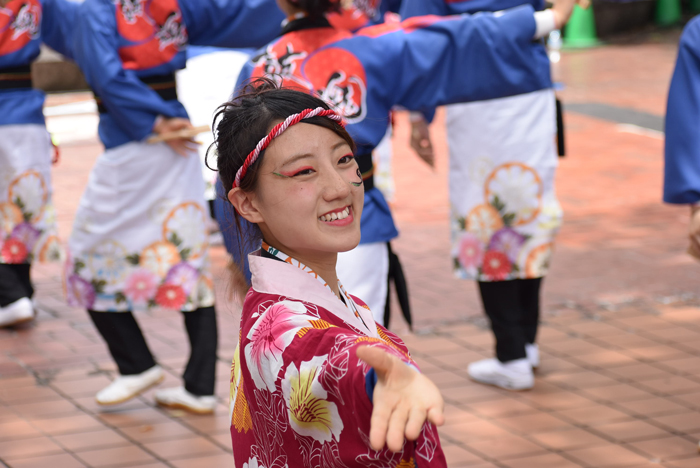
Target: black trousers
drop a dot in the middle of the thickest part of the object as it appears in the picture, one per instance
(15, 283)
(513, 307)
(130, 351)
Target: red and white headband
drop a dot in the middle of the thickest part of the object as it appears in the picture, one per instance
(277, 131)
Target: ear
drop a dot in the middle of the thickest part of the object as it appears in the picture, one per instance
(243, 203)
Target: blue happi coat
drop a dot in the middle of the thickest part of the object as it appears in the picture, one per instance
(121, 43)
(418, 64)
(24, 25)
(682, 147)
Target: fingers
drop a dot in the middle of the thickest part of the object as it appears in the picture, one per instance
(416, 418)
(436, 416)
(181, 146)
(378, 425)
(397, 428)
(380, 360)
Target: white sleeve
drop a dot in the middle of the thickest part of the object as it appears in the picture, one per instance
(545, 23)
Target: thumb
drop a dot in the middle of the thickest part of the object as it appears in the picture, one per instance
(380, 360)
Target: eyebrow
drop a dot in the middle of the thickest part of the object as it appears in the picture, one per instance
(309, 155)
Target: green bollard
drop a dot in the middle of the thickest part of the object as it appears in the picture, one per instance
(668, 12)
(580, 30)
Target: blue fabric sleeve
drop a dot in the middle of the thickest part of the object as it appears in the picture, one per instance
(58, 24)
(410, 8)
(435, 61)
(370, 383)
(231, 23)
(682, 146)
(132, 105)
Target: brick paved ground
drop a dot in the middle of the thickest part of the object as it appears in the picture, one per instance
(620, 379)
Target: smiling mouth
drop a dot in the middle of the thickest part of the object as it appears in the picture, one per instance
(333, 216)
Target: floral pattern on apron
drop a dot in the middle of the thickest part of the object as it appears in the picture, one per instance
(145, 246)
(505, 214)
(27, 217)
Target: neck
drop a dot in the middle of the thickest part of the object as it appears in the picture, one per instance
(322, 263)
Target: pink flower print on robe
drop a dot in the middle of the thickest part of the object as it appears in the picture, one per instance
(141, 286)
(272, 332)
(470, 252)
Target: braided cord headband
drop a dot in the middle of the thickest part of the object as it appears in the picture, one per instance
(277, 131)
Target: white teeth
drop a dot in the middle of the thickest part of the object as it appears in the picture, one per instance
(334, 216)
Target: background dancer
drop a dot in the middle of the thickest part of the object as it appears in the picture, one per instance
(504, 210)
(27, 218)
(365, 74)
(139, 238)
(682, 146)
(201, 87)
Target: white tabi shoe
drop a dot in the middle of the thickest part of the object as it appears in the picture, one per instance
(511, 375)
(533, 355)
(20, 311)
(126, 387)
(179, 398)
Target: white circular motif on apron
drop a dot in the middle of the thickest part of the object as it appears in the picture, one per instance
(28, 192)
(479, 168)
(185, 227)
(160, 210)
(10, 216)
(483, 220)
(534, 257)
(159, 257)
(515, 190)
(107, 261)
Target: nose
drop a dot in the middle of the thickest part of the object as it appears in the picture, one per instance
(335, 185)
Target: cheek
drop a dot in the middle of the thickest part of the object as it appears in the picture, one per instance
(290, 205)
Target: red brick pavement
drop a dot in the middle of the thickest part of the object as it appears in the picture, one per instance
(620, 379)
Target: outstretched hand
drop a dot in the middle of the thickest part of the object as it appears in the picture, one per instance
(182, 146)
(420, 141)
(403, 400)
(562, 10)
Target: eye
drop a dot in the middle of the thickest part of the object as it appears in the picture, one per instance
(303, 171)
(346, 159)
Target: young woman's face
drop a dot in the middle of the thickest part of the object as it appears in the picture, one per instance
(309, 194)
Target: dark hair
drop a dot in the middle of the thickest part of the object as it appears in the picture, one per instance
(241, 123)
(250, 116)
(317, 8)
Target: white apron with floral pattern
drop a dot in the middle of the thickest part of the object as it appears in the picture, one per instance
(505, 214)
(139, 238)
(27, 217)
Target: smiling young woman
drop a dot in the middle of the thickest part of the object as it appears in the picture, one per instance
(315, 381)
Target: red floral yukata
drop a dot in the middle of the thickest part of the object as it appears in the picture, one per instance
(299, 395)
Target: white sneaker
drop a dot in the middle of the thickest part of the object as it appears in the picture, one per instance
(533, 355)
(18, 312)
(180, 398)
(126, 387)
(511, 375)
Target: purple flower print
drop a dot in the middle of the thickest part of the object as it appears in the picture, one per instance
(508, 241)
(27, 234)
(184, 275)
(80, 292)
